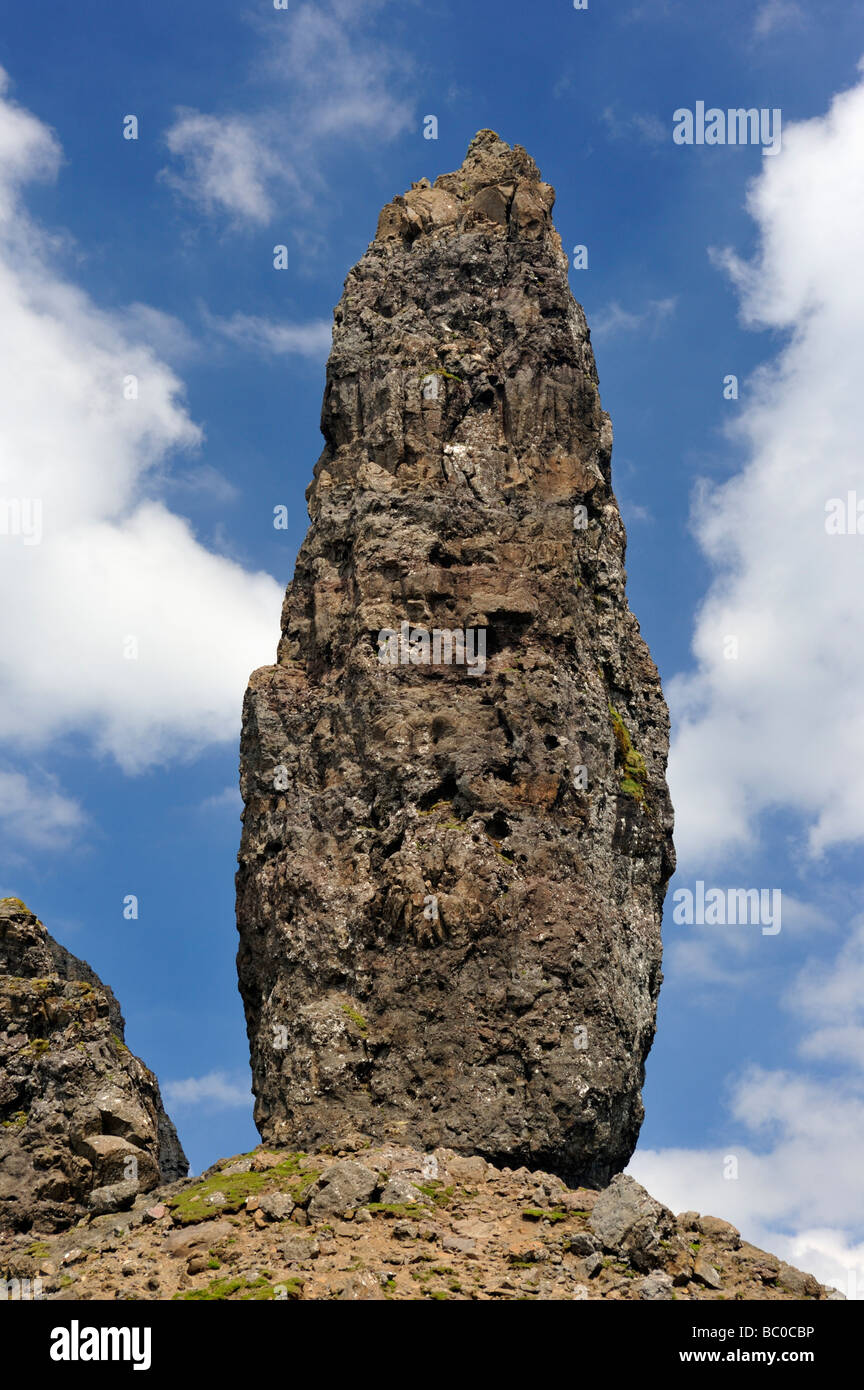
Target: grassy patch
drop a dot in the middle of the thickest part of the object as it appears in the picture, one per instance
(357, 1019)
(633, 773)
(293, 1175)
(435, 1189)
(394, 1209)
(247, 1291)
(537, 1214)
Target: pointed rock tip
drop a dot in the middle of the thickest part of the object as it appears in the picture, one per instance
(482, 188)
(485, 137)
(14, 907)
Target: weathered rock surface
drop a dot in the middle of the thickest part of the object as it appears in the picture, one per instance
(255, 1228)
(82, 1126)
(451, 877)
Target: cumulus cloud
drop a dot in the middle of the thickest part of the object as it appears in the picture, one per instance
(225, 164)
(120, 628)
(771, 719)
(218, 1090)
(781, 724)
(332, 84)
(35, 814)
(793, 1185)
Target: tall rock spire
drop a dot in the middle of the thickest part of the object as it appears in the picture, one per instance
(452, 871)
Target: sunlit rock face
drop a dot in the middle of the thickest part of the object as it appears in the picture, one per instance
(452, 871)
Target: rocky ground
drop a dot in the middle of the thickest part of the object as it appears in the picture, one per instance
(387, 1222)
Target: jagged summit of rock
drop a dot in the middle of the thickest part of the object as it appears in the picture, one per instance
(457, 831)
(82, 1126)
(495, 183)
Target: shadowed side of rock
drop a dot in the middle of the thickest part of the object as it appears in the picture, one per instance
(451, 876)
(82, 1125)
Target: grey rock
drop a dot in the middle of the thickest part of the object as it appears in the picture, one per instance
(705, 1273)
(299, 1249)
(582, 1243)
(276, 1206)
(118, 1197)
(721, 1232)
(657, 1288)
(627, 1220)
(459, 1245)
(401, 1191)
(341, 1188)
(797, 1282)
(430, 902)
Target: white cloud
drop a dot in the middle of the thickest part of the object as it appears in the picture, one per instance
(783, 724)
(332, 84)
(798, 1189)
(28, 149)
(777, 14)
(265, 335)
(113, 561)
(613, 320)
(345, 84)
(692, 1180)
(218, 1090)
(831, 997)
(226, 165)
(35, 814)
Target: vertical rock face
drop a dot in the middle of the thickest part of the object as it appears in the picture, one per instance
(451, 874)
(82, 1126)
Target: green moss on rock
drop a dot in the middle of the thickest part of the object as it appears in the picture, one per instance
(221, 1193)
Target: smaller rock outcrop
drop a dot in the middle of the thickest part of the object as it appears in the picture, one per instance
(82, 1125)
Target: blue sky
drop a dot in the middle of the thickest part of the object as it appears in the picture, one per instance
(153, 259)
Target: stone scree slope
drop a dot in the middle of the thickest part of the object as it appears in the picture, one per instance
(451, 876)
